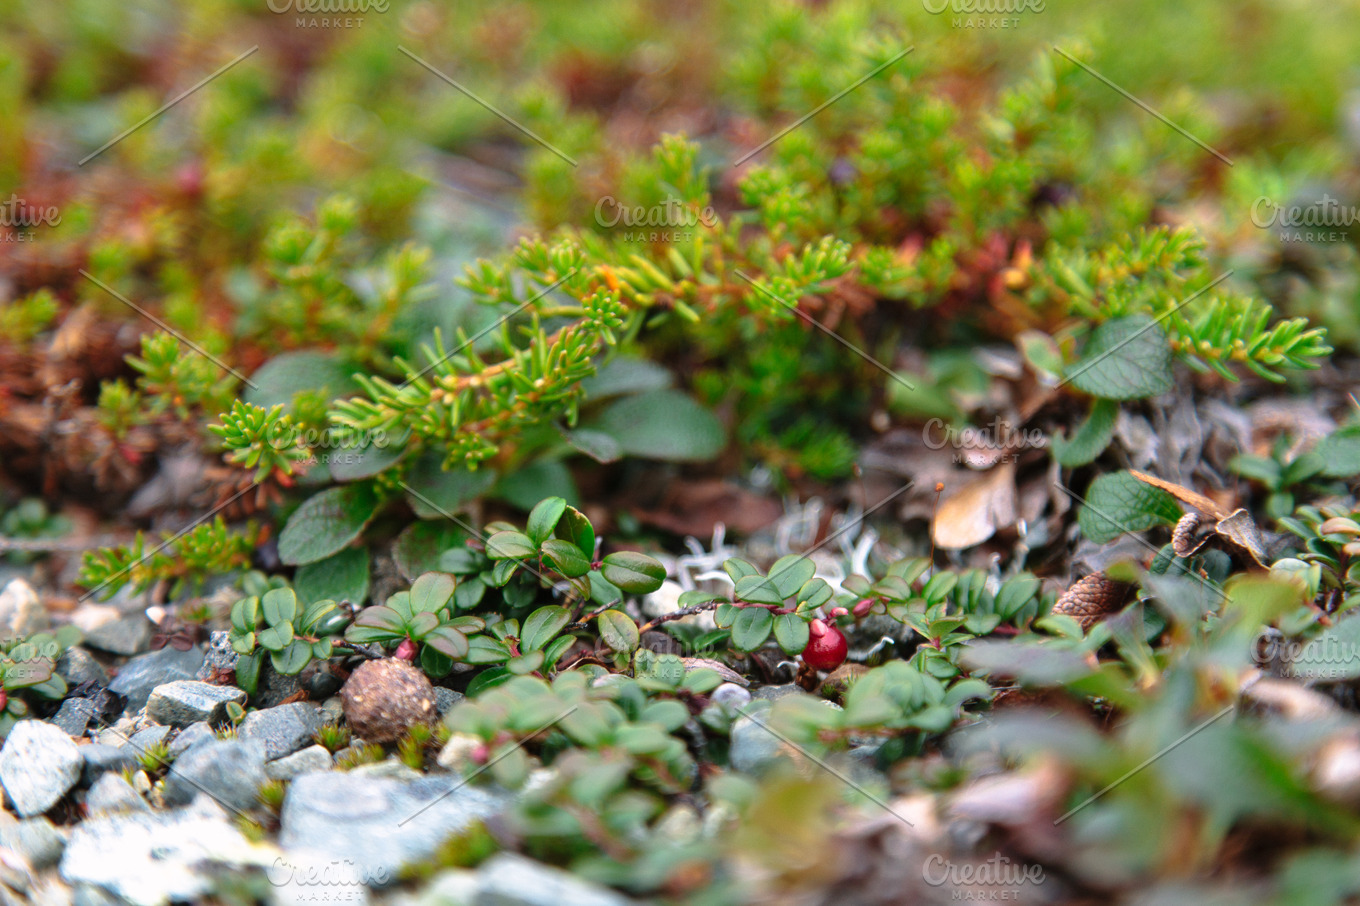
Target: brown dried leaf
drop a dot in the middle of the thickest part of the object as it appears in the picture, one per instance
(977, 510)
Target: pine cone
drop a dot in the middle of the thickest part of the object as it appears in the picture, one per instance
(1092, 599)
(1185, 538)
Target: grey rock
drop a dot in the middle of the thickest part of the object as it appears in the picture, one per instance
(99, 759)
(184, 702)
(444, 699)
(230, 772)
(117, 733)
(391, 768)
(127, 635)
(89, 895)
(38, 765)
(342, 816)
(274, 687)
(75, 716)
(190, 736)
(21, 613)
(112, 795)
(151, 858)
(681, 824)
(509, 879)
(76, 666)
(775, 693)
(219, 656)
(282, 729)
(451, 887)
(145, 672)
(306, 761)
(148, 737)
(35, 839)
(322, 684)
(753, 747)
(463, 753)
(731, 696)
(332, 709)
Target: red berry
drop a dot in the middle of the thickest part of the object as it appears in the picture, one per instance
(189, 177)
(826, 648)
(406, 651)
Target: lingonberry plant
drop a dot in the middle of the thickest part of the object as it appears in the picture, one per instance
(499, 427)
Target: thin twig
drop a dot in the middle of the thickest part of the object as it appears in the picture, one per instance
(578, 623)
(680, 614)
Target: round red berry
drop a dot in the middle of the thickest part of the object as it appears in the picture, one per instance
(826, 648)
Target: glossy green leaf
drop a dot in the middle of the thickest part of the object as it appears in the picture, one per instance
(542, 625)
(447, 641)
(292, 659)
(618, 630)
(380, 618)
(576, 528)
(484, 650)
(791, 632)
(279, 605)
(525, 663)
(565, 558)
(758, 590)
(245, 613)
(543, 520)
(788, 574)
(510, 546)
(751, 628)
(276, 638)
(431, 592)
(633, 573)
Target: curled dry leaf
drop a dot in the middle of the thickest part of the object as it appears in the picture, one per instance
(977, 510)
(1236, 529)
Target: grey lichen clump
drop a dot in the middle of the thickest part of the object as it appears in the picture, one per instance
(383, 699)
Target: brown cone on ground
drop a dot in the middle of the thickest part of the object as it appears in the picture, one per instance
(1092, 599)
(383, 699)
